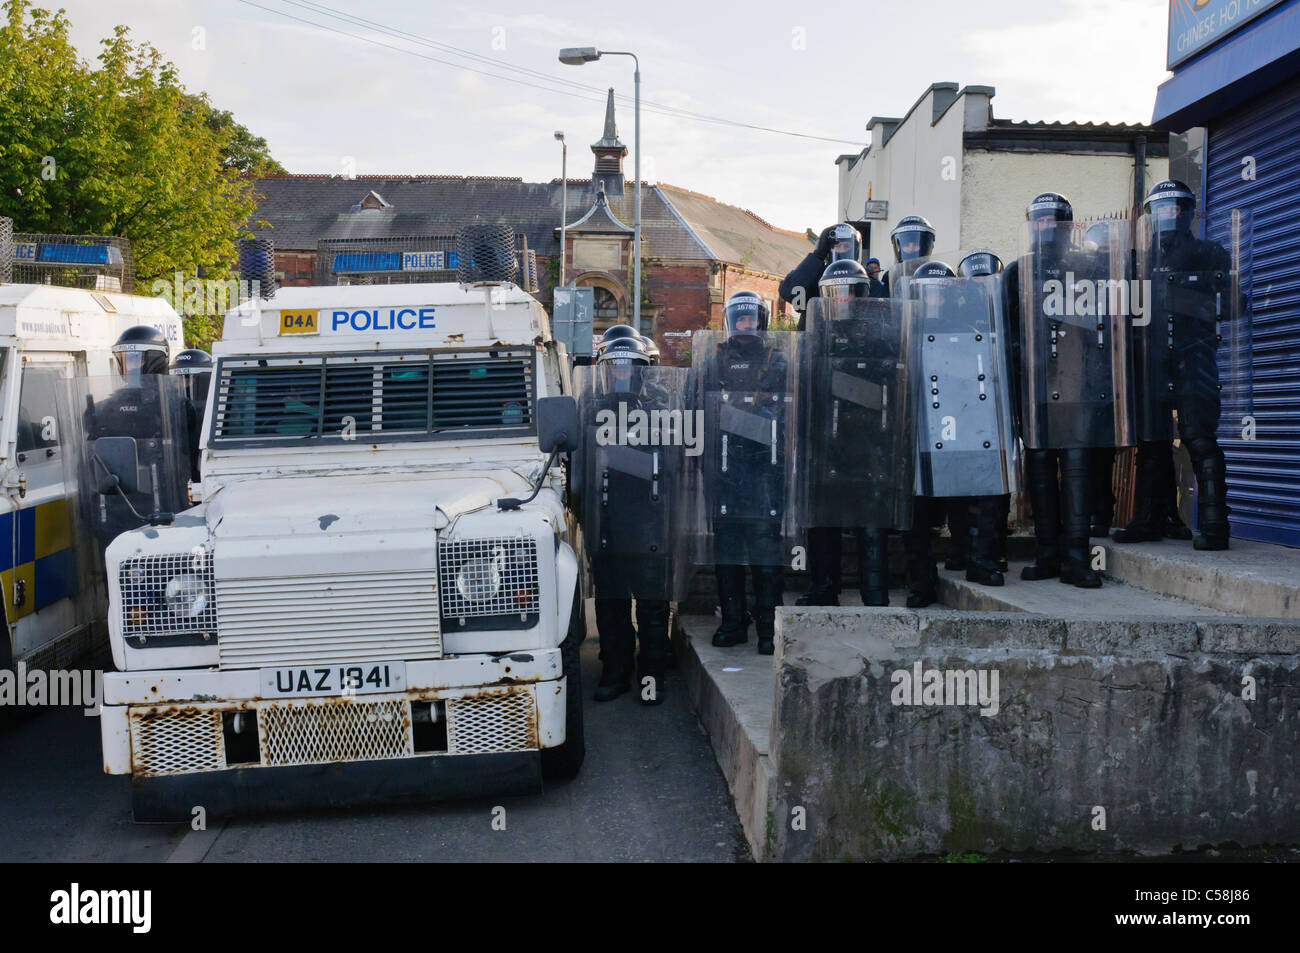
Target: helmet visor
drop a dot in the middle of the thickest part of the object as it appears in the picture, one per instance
(747, 318)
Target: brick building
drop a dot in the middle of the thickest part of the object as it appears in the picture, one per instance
(695, 250)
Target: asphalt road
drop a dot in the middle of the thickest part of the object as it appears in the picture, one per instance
(650, 790)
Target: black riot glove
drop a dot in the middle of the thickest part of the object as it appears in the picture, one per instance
(824, 242)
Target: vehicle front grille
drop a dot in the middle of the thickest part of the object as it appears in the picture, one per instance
(344, 617)
(176, 741)
(503, 720)
(316, 731)
(186, 739)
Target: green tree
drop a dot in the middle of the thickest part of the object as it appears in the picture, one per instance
(246, 153)
(119, 149)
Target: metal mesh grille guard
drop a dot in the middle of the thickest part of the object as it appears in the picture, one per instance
(500, 577)
(144, 583)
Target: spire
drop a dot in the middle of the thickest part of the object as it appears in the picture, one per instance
(609, 154)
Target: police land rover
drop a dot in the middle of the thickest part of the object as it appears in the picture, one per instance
(376, 597)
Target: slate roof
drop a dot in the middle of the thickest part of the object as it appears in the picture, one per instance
(675, 222)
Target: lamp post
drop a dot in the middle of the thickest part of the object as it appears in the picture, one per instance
(564, 196)
(576, 56)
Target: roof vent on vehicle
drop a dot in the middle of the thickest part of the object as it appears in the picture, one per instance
(487, 254)
(257, 264)
(6, 249)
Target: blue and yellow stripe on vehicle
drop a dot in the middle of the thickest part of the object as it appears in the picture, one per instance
(36, 548)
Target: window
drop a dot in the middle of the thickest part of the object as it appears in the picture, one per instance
(374, 396)
(38, 412)
(605, 308)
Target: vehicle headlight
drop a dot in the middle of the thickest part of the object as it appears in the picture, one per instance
(186, 595)
(479, 579)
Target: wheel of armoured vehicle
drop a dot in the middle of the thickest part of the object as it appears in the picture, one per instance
(565, 760)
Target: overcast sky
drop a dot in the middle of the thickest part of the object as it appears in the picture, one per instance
(323, 99)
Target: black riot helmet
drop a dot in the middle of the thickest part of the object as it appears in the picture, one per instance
(616, 332)
(912, 237)
(844, 280)
(140, 350)
(979, 263)
(1171, 206)
(195, 366)
(1050, 215)
(846, 243)
(745, 315)
(624, 357)
(930, 279)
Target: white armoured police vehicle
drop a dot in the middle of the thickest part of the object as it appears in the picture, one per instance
(52, 340)
(376, 598)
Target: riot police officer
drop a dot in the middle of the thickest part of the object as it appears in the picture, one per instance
(744, 381)
(615, 332)
(626, 488)
(912, 239)
(194, 366)
(857, 450)
(840, 242)
(1073, 383)
(1192, 294)
(137, 408)
(988, 515)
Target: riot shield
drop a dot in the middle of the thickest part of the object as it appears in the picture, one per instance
(857, 417)
(134, 453)
(627, 479)
(1075, 301)
(743, 392)
(1193, 348)
(965, 441)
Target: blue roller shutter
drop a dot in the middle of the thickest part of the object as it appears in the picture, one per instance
(1264, 474)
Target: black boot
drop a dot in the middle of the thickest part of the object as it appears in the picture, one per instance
(985, 511)
(1166, 493)
(769, 586)
(617, 643)
(1147, 524)
(922, 574)
(731, 597)
(1004, 530)
(1212, 529)
(873, 566)
(652, 660)
(959, 529)
(1103, 491)
(1045, 498)
(824, 552)
(1076, 510)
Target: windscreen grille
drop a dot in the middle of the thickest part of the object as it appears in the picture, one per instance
(372, 397)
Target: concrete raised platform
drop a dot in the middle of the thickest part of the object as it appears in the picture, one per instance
(1256, 579)
(1109, 733)
(1052, 597)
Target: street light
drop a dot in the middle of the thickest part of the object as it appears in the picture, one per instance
(576, 56)
(564, 196)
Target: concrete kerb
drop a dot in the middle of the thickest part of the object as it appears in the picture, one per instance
(1112, 733)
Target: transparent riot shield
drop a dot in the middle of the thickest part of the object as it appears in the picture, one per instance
(857, 422)
(965, 440)
(1193, 347)
(1074, 300)
(134, 462)
(627, 480)
(743, 392)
